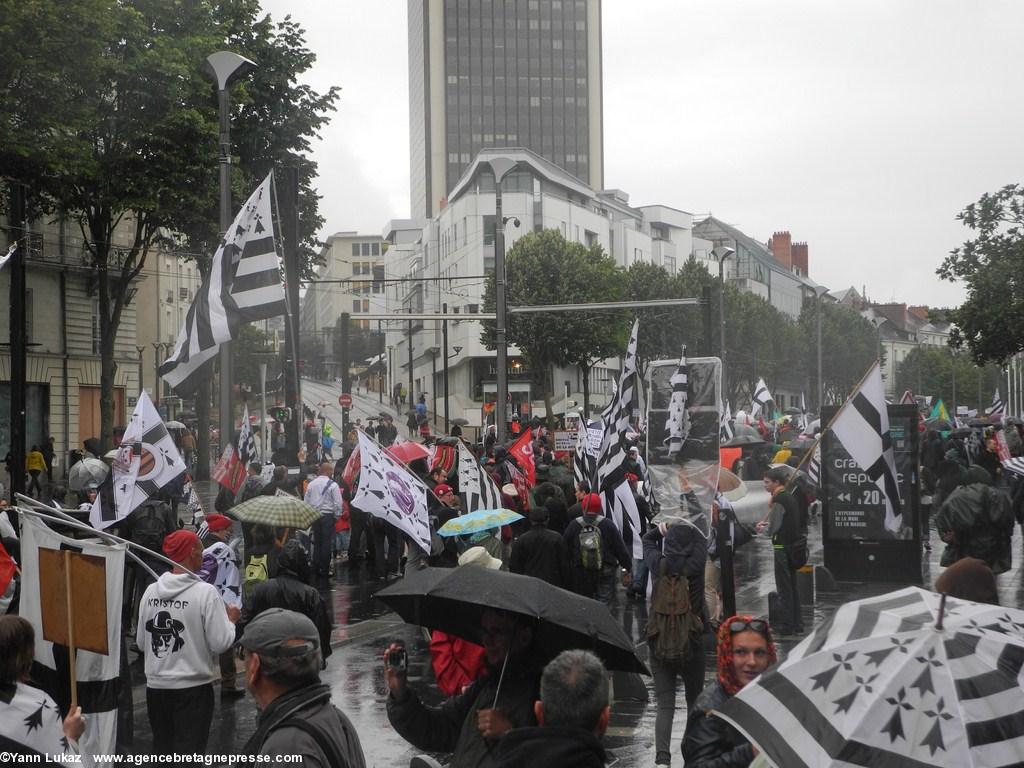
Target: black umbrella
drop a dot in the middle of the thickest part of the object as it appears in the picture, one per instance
(453, 600)
(740, 440)
(961, 432)
(800, 444)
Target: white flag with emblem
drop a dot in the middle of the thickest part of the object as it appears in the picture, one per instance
(391, 492)
(761, 397)
(146, 461)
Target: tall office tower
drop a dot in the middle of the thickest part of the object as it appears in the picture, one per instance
(502, 73)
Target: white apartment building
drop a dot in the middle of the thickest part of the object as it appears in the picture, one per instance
(454, 252)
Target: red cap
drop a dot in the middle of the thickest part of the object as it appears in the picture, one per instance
(632, 478)
(591, 504)
(179, 545)
(441, 489)
(217, 522)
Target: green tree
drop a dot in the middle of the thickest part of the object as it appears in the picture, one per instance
(849, 344)
(990, 322)
(252, 347)
(130, 138)
(936, 370)
(545, 268)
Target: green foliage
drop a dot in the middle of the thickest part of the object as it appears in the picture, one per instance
(935, 370)
(849, 344)
(990, 323)
(252, 346)
(544, 268)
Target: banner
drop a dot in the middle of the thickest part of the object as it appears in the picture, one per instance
(391, 492)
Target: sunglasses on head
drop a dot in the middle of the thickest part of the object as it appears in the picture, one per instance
(754, 625)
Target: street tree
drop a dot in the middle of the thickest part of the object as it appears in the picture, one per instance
(133, 148)
(544, 268)
(990, 322)
(849, 344)
(944, 373)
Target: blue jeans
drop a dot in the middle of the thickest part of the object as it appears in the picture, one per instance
(640, 574)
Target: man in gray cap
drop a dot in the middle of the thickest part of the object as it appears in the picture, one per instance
(282, 663)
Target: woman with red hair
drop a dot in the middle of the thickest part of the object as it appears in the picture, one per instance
(745, 650)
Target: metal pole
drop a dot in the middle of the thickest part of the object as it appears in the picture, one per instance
(821, 382)
(223, 105)
(444, 346)
(140, 351)
(409, 339)
(500, 167)
(263, 412)
(725, 554)
(953, 368)
(380, 376)
(18, 342)
(346, 380)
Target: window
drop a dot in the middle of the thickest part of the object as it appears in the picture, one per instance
(357, 305)
(355, 249)
(366, 249)
(96, 337)
(366, 305)
(183, 293)
(375, 249)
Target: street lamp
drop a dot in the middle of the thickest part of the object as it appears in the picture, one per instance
(457, 349)
(818, 292)
(721, 253)
(140, 350)
(158, 347)
(226, 67)
(500, 167)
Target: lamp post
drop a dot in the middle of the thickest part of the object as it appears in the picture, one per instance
(500, 167)
(158, 347)
(722, 253)
(444, 346)
(140, 350)
(226, 67)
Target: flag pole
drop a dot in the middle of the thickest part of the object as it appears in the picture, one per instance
(810, 452)
(71, 629)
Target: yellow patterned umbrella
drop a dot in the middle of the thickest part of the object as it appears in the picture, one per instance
(481, 520)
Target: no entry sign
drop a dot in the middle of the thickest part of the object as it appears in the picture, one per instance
(345, 400)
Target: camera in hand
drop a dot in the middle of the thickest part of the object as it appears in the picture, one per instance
(398, 660)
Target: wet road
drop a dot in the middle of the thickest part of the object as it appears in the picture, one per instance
(364, 628)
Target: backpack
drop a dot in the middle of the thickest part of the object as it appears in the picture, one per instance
(257, 570)
(672, 624)
(149, 526)
(591, 543)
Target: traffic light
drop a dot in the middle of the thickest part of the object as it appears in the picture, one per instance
(281, 413)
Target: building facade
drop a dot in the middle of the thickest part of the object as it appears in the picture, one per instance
(447, 259)
(356, 262)
(500, 73)
(63, 334)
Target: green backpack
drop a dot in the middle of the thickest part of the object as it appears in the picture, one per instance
(256, 571)
(672, 626)
(591, 543)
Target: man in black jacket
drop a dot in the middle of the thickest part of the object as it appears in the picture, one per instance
(471, 725)
(572, 716)
(783, 525)
(290, 590)
(541, 553)
(282, 659)
(596, 581)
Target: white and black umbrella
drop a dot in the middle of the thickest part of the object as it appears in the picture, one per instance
(910, 679)
(87, 473)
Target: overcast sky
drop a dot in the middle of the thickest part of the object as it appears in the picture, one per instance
(860, 127)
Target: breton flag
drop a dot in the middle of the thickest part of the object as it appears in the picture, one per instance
(761, 397)
(244, 284)
(678, 424)
(584, 457)
(195, 505)
(391, 492)
(615, 417)
(1015, 465)
(477, 489)
(621, 507)
(98, 675)
(910, 679)
(725, 423)
(803, 413)
(226, 577)
(230, 469)
(862, 426)
(146, 461)
(814, 466)
(998, 407)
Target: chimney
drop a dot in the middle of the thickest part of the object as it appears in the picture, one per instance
(800, 258)
(781, 246)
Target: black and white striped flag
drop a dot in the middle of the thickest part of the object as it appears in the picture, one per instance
(616, 415)
(678, 424)
(246, 441)
(584, 462)
(476, 488)
(244, 284)
(1015, 465)
(725, 422)
(998, 406)
(814, 466)
(761, 397)
(803, 413)
(621, 507)
(862, 426)
(887, 682)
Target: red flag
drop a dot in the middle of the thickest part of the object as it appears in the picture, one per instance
(230, 470)
(351, 471)
(7, 570)
(522, 449)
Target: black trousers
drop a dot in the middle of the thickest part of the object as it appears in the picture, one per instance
(359, 526)
(789, 598)
(323, 544)
(180, 718)
(383, 532)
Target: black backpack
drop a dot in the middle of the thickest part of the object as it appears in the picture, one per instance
(148, 525)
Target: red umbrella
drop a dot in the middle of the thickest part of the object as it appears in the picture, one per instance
(408, 452)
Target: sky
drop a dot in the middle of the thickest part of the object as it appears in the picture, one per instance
(862, 128)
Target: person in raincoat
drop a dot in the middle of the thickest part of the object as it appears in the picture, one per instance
(976, 521)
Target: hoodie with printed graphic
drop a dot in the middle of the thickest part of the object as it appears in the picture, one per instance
(183, 628)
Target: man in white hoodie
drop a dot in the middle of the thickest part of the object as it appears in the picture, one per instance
(183, 627)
